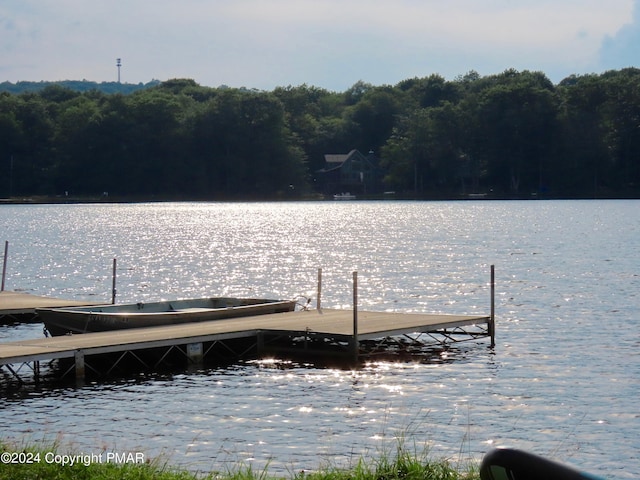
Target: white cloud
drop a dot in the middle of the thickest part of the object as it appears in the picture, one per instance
(621, 50)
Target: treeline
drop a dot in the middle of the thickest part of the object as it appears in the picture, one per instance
(77, 85)
(509, 135)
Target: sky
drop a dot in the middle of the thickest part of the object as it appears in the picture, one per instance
(330, 44)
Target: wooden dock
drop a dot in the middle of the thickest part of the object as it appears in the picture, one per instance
(349, 334)
(18, 306)
(300, 328)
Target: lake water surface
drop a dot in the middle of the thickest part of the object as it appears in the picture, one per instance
(563, 380)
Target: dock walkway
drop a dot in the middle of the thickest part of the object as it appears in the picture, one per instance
(335, 327)
(14, 304)
(350, 334)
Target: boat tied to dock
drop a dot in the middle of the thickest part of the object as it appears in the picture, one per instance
(101, 318)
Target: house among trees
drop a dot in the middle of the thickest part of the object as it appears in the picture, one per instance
(352, 172)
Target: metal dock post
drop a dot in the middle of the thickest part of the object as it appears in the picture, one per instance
(492, 318)
(319, 295)
(356, 343)
(113, 284)
(4, 263)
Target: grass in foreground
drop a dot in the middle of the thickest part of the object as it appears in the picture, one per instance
(403, 465)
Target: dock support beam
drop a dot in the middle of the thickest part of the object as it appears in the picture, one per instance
(492, 321)
(356, 343)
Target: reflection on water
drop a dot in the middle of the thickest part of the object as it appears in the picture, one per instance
(562, 380)
(296, 414)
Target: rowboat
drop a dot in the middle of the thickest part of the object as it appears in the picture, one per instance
(101, 318)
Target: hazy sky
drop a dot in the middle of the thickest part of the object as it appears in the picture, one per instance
(326, 43)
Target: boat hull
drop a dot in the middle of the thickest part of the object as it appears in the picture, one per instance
(102, 318)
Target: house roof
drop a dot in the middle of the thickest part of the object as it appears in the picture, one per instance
(337, 158)
(335, 161)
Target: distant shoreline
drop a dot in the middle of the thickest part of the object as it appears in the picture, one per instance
(58, 199)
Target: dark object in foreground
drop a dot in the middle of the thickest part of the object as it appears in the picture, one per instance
(510, 464)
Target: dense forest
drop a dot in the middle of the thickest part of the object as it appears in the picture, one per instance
(511, 135)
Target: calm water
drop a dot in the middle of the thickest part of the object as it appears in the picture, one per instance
(563, 380)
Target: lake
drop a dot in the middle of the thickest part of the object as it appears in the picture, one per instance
(562, 381)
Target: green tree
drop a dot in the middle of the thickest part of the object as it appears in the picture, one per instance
(33, 161)
(13, 142)
(245, 146)
(621, 114)
(583, 147)
(431, 91)
(155, 139)
(78, 150)
(426, 149)
(314, 116)
(372, 118)
(515, 120)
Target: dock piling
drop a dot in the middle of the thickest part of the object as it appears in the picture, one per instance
(195, 353)
(356, 345)
(319, 294)
(492, 320)
(113, 283)
(4, 264)
(79, 361)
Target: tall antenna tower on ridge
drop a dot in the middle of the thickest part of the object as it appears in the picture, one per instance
(118, 64)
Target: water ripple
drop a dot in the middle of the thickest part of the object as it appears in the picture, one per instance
(562, 380)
